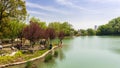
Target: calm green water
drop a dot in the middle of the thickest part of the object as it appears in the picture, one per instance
(86, 52)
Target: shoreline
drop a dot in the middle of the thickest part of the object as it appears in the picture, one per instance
(33, 59)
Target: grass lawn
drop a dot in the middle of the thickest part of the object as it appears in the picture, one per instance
(19, 56)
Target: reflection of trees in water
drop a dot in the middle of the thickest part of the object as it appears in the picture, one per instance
(17, 66)
(61, 55)
(67, 44)
(51, 64)
(66, 47)
(37, 64)
(116, 51)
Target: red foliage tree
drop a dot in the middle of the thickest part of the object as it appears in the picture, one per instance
(61, 35)
(50, 33)
(43, 34)
(32, 32)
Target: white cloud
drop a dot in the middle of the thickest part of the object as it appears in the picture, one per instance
(47, 8)
(70, 3)
(36, 12)
(104, 1)
(95, 13)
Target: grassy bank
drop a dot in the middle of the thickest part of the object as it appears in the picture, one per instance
(19, 56)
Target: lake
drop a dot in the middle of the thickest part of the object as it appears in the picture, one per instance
(85, 52)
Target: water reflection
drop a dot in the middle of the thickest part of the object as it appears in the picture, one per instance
(117, 50)
(51, 64)
(61, 55)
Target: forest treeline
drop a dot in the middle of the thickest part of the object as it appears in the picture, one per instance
(111, 28)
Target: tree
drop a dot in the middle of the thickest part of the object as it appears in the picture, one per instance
(112, 28)
(50, 34)
(61, 36)
(56, 26)
(4, 28)
(65, 27)
(10, 10)
(91, 31)
(15, 28)
(41, 23)
(14, 9)
(32, 32)
(104, 30)
(83, 32)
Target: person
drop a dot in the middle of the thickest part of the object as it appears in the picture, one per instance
(44, 43)
(50, 47)
(0, 42)
(1, 45)
(40, 42)
(60, 43)
(20, 46)
(33, 43)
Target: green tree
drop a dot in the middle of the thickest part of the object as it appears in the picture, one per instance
(56, 26)
(41, 23)
(4, 28)
(66, 27)
(112, 28)
(91, 31)
(83, 32)
(15, 28)
(10, 10)
(104, 30)
(15, 9)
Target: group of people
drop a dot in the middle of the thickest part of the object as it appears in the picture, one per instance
(43, 44)
(18, 46)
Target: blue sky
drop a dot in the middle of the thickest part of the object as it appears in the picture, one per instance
(81, 14)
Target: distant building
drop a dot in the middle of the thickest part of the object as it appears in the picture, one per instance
(95, 27)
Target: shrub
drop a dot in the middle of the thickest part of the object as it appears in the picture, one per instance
(48, 57)
(18, 54)
(9, 59)
(56, 53)
(28, 64)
